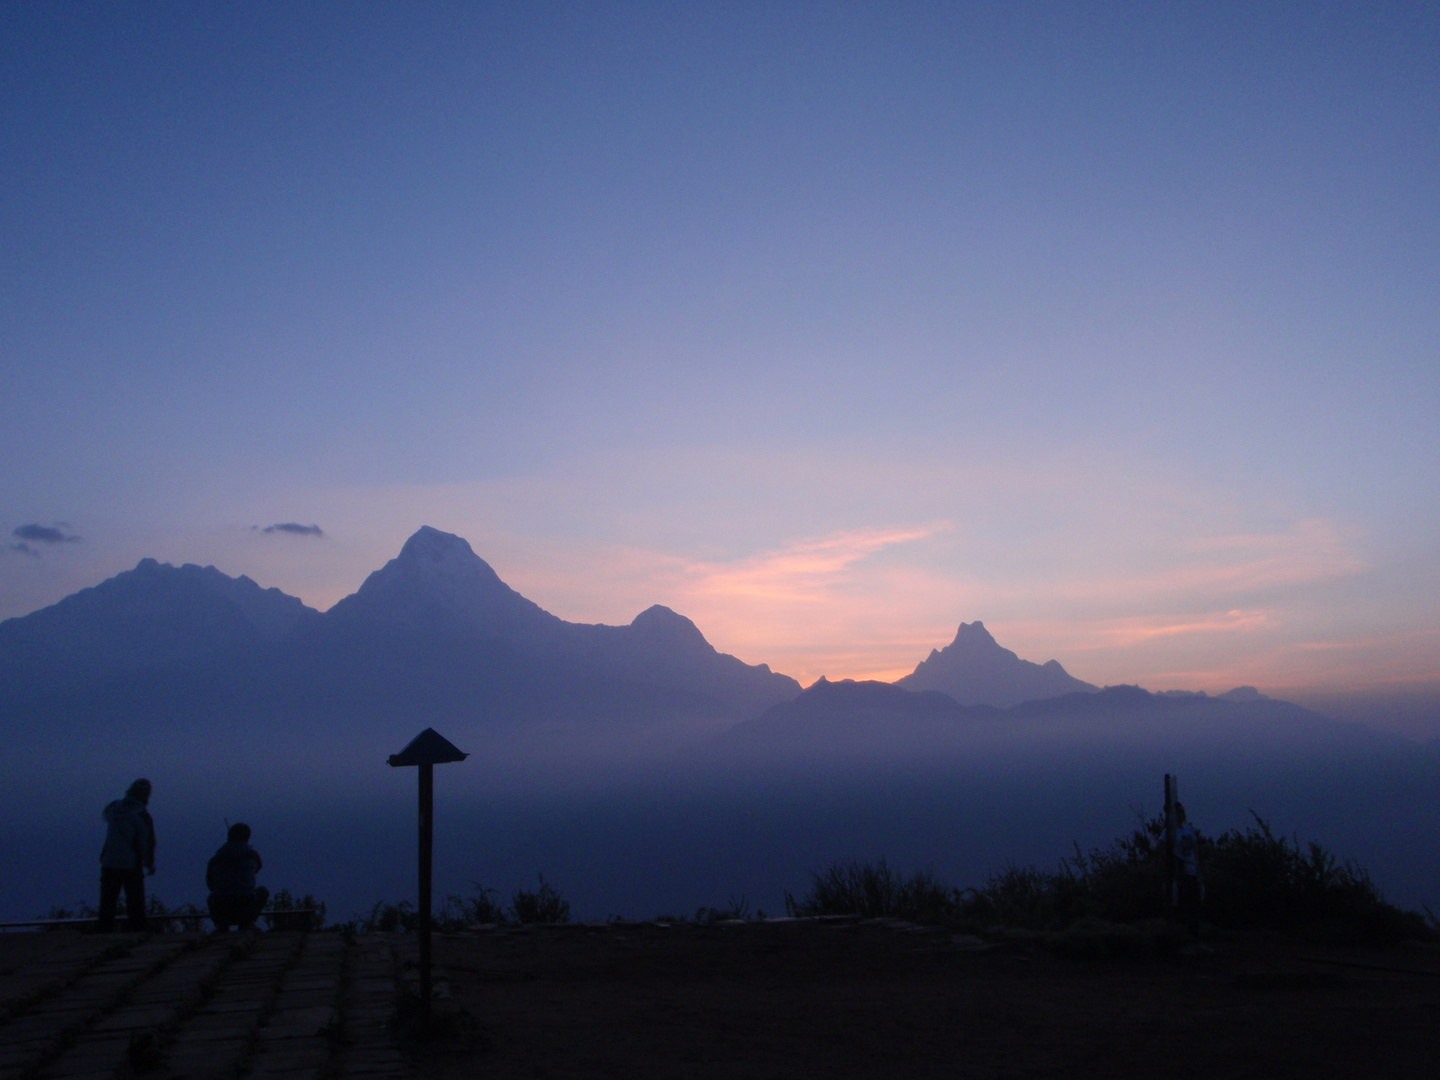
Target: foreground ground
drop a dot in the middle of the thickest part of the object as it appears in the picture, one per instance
(187, 1005)
(777, 999)
(874, 1000)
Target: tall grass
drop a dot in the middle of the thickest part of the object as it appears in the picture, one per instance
(545, 904)
(1257, 878)
(1252, 878)
(872, 891)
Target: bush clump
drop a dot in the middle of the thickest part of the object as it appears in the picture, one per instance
(388, 918)
(283, 902)
(1252, 878)
(546, 904)
(736, 909)
(873, 891)
(1257, 878)
(478, 909)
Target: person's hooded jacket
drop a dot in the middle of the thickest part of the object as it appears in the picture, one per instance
(130, 839)
(232, 869)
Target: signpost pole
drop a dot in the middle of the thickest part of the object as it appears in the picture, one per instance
(426, 750)
(427, 842)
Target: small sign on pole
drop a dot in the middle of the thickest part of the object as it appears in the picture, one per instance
(426, 750)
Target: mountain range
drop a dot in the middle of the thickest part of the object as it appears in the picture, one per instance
(869, 721)
(433, 635)
(636, 762)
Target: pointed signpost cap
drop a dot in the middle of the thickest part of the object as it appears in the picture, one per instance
(428, 748)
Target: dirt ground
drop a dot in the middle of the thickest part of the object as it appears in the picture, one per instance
(803, 999)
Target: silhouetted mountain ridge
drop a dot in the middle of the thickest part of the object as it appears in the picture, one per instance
(153, 615)
(975, 670)
(433, 632)
(872, 721)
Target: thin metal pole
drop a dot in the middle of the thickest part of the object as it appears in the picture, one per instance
(427, 837)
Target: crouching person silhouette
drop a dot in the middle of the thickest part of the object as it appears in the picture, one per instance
(230, 876)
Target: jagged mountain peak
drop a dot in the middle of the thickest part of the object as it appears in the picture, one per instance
(975, 669)
(437, 575)
(660, 623)
(440, 560)
(444, 556)
(972, 639)
(974, 633)
(428, 543)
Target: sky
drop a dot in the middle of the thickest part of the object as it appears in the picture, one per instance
(830, 326)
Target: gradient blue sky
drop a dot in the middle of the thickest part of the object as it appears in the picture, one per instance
(1116, 326)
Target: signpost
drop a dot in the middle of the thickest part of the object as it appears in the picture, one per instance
(426, 750)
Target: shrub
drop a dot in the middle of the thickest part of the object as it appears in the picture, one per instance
(1255, 878)
(285, 900)
(388, 918)
(871, 891)
(1252, 877)
(1026, 897)
(185, 917)
(737, 909)
(480, 909)
(544, 905)
(82, 910)
(1126, 881)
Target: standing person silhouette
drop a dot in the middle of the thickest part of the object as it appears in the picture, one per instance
(128, 855)
(1189, 891)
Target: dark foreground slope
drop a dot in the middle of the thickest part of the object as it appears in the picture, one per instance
(843, 999)
(754, 999)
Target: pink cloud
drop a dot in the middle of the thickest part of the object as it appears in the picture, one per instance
(803, 571)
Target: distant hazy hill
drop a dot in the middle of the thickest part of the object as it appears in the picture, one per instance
(975, 670)
(434, 633)
(154, 615)
(855, 719)
(871, 721)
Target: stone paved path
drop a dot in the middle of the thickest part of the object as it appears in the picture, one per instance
(197, 1007)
